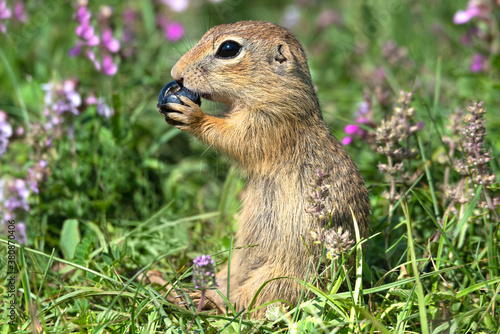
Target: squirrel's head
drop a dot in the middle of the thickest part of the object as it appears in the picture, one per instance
(247, 63)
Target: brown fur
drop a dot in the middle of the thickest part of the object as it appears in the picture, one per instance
(275, 131)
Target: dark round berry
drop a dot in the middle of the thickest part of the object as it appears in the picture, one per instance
(170, 94)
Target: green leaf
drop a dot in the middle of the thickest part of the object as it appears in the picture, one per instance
(405, 294)
(70, 238)
(439, 296)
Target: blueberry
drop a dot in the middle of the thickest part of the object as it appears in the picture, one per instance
(170, 93)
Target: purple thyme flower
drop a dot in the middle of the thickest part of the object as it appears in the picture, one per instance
(13, 197)
(351, 129)
(60, 100)
(19, 12)
(177, 5)
(37, 173)
(18, 198)
(477, 63)
(108, 66)
(103, 109)
(88, 39)
(85, 30)
(203, 272)
(21, 232)
(91, 56)
(464, 16)
(363, 116)
(347, 140)
(5, 14)
(173, 31)
(111, 43)
(5, 132)
(76, 50)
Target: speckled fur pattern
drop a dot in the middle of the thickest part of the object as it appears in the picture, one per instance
(275, 132)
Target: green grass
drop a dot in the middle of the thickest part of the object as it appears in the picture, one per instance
(131, 194)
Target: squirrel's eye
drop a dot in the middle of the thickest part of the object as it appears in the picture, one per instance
(228, 49)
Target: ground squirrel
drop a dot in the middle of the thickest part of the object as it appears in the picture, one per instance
(275, 132)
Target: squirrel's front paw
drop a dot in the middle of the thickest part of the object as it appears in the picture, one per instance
(184, 116)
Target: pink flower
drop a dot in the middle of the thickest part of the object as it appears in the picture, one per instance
(21, 232)
(108, 66)
(173, 31)
(363, 108)
(19, 131)
(93, 41)
(103, 60)
(5, 132)
(91, 56)
(477, 63)
(103, 109)
(91, 99)
(19, 196)
(19, 12)
(177, 5)
(346, 141)
(351, 129)
(128, 15)
(76, 50)
(363, 120)
(83, 14)
(464, 16)
(112, 44)
(5, 13)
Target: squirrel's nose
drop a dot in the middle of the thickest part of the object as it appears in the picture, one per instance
(176, 73)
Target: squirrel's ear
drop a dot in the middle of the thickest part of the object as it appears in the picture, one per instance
(281, 59)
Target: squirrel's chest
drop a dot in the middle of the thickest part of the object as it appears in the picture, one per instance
(274, 209)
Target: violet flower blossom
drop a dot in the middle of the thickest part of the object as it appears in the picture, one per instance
(464, 16)
(60, 99)
(177, 5)
(477, 63)
(5, 14)
(354, 130)
(13, 203)
(101, 107)
(19, 12)
(173, 31)
(111, 43)
(203, 272)
(36, 174)
(18, 199)
(85, 30)
(21, 232)
(203, 279)
(5, 132)
(107, 44)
